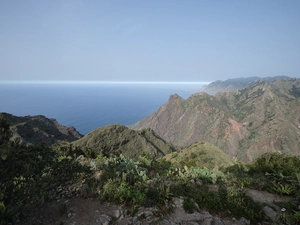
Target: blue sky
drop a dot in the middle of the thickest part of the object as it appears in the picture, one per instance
(148, 40)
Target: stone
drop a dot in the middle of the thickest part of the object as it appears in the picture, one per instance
(116, 213)
(104, 219)
(145, 213)
(270, 213)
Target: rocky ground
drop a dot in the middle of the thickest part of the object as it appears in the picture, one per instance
(87, 211)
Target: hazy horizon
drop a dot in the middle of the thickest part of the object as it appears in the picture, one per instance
(99, 82)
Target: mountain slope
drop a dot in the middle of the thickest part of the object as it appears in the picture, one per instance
(39, 129)
(120, 139)
(260, 118)
(271, 113)
(236, 84)
(200, 155)
(199, 118)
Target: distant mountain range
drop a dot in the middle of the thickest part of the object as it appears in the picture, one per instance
(236, 83)
(262, 117)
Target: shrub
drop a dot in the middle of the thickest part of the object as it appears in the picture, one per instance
(121, 192)
(282, 189)
(189, 205)
(195, 173)
(276, 163)
(125, 169)
(239, 204)
(29, 174)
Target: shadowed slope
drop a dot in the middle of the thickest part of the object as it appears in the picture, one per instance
(120, 139)
(39, 129)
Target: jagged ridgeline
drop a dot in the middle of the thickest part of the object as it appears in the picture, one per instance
(246, 123)
(119, 139)
(39, 129)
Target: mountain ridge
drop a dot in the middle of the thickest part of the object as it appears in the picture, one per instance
(260, 118)
(39, 129)
(119, 139)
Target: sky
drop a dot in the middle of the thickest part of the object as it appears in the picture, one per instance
(148, 40)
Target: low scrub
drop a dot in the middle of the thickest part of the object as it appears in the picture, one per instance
(30, 173)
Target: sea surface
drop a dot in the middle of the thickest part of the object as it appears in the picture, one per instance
(88, 106)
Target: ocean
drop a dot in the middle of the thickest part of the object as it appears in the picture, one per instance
(88, 106)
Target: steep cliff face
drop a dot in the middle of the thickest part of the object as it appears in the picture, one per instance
(39, 129)
(199, 118)
(120, 139)
(246, 123)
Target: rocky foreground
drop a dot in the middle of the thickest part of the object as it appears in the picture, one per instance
(89, 211)
(92, 212)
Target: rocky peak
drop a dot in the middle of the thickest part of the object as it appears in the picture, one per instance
(175, 97)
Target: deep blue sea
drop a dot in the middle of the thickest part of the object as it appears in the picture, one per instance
(87, 106)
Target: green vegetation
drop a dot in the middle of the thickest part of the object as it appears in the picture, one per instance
(116, 139)
(31, 175)
(275, 173)
(200, 155)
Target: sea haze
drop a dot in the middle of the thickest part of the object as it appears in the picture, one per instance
(87, 106)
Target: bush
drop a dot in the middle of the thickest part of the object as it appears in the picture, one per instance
(125, 169)
(239, 204)
(30, 174)
(189, 205)
(276, 163)
(118, 192)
